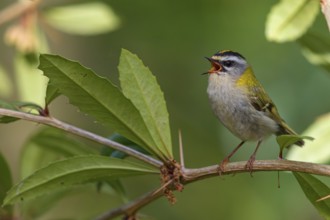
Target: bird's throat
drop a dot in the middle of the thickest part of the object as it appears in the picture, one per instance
(247, 78)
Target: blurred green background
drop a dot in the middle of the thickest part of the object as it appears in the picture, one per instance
(172, 38)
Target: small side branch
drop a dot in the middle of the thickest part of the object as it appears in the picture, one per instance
(131, 208)
(82, 133)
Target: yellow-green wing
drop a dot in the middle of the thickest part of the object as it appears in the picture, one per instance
(258, 96)
(262, 102)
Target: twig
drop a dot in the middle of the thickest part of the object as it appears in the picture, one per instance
(192, 175)
(82, 133)
(132, 207)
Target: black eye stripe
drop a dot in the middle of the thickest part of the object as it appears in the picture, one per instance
(228, 63)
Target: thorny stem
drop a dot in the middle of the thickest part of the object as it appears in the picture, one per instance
(82, 133)
(192, 175)
(187, 175)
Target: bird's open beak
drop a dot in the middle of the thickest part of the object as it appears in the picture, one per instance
(216, 67)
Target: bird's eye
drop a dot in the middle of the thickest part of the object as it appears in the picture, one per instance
(228, 63)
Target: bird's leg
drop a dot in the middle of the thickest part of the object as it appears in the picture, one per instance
(223, 163)
(249, 164)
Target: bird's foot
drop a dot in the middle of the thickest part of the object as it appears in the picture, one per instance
(221, 167)
(249, 164)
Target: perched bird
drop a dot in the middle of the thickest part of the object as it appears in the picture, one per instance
(241, 103)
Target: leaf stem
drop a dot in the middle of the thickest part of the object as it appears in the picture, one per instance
(82, 133)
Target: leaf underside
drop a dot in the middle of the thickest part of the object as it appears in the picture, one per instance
(73, 171)
(314, 189)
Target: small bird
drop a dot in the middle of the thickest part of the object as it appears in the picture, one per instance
(241, 104)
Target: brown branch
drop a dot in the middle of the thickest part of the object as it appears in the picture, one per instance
(82, 133)
(187, 175)
(192, 175)
(131, 208)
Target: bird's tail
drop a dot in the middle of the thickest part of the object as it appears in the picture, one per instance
(285, 129)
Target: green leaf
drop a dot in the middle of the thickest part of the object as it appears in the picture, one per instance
(316, 49)
(318, 150)
(285, 141)
(97, 96)
(72, 171)
(114, 186)
(31, 83)
(84, 19)
(5, 185)
(314, 189)
(48, 145)
(28, 105)
(5, 177)
(44, 147)
(6, 105)
(141, 87)
(106, 151)
(51, 94)
(118, 187)
(6, 85)
(121, 139)
(35, 208)
(288, 20)
(18, 106)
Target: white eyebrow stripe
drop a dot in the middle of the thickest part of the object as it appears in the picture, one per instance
(233, 58)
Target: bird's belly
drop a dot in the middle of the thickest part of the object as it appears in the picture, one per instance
(240, 117)
(246, 123)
